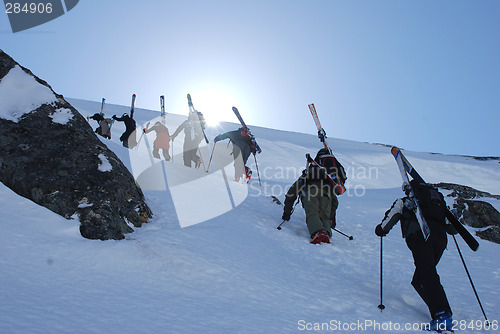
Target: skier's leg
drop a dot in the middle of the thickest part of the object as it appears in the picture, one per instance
(166, 155)
(325, 213)
(123, 139)
(439, 242)
(188, 156)
(156, 153)
(311, 204)
(239, 165)
(426, 279)
(131, 139)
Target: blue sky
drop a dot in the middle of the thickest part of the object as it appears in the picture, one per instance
(423, 75)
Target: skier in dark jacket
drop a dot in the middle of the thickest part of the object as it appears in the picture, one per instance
(104, 128)
(128, 137)
(318, 198)
(193, 136)
(426, 254)
(243, 144)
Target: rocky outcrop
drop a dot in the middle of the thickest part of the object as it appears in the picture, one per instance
(51, 155)
(474, 212)
(464, 192)
(492, 234)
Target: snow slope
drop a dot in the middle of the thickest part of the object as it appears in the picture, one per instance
(235, 272)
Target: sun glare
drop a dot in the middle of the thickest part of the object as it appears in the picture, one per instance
(215, 105)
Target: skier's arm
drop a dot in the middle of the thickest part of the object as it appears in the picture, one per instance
(148, 130)
(392, 216)
(179, 129)
(224, 136)
(291, 196)
(335, 205)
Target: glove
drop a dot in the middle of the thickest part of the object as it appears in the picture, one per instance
(114, 117)
(286, 216)
(144, 130)
(410, 203)
(379, 231)
(216, 139)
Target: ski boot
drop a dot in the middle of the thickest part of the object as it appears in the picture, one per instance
(321, 236)
(442, 322)
(248, 174)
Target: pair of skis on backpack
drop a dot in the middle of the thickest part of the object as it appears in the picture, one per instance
(407, 170)
(336, 181)
(238, 115)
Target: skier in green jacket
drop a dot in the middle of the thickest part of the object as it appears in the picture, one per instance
(318, 197)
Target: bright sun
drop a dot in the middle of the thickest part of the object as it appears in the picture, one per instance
(215, 105)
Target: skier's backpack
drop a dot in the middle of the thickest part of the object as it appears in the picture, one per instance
(326, 159)
(430, 200)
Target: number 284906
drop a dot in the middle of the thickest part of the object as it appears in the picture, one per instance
(28, 8)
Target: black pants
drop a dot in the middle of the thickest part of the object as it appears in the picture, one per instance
(128, 139)
(239, 165)
(426, 256)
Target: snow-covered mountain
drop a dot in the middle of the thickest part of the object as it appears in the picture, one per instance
(232, 271)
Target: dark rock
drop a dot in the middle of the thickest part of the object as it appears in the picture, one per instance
(486, 158)
(478, 214)
(380, 144)
(492, 234)
(474, 212)
(56, 166)
(464, 192)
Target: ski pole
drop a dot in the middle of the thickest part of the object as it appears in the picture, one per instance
(211, 156)
(293, 209)
(257, 166)
(279, 226)
(345, 235)
(470, 279)
(172, 155)
(140, 138)
(381, 305)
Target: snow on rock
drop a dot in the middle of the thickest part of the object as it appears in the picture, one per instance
(62, 116)
(105, 165)
(20, 94)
